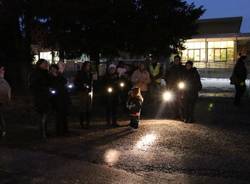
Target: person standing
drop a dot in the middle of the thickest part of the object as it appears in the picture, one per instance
(155, 71)
(111, 97)
(193, 86)
(134, 105)
(174, 76)
(84, 85)
(238, 79)
(40, 83)
(60, 99)
(141, 79)
(5, 96)
(124, 84)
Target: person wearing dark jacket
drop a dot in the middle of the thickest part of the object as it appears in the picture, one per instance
(111, 97)
(174, 76)
(193, 86)
(40, 83)
(60, 99)
(84, 85)
(5, 96)
(134, 105)
(238, 79)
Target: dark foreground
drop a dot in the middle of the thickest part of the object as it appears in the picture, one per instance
(215, 149)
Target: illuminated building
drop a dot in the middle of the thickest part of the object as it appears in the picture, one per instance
(217, 46)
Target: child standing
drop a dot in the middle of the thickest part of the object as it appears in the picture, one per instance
(134, 105)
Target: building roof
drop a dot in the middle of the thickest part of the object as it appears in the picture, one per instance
(219, 25)
(235, 36)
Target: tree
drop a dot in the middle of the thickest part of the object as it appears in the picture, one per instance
(161, 26)
(96, 27)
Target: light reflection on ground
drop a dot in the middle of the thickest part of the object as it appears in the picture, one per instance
(111, 156)
(146, 141)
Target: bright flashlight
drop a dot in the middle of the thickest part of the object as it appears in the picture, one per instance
(181, 85)
(167, 96)
(122, 84)
(52, 91)
(86, 86)
(70, 86)
(110, 90)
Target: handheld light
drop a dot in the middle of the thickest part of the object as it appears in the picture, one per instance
(70, 86)
(52, 91)
(168, 96)
(122, 84)
(110, 89)
(181, 85)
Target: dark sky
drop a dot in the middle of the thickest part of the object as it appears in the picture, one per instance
(226, 8)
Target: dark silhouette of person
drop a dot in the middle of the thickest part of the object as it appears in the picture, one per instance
(193, 86)
(5, 96)
(174, 75)
(238, 79)
(84, 85)
(111, 97)
(40, 83)
(60, 99)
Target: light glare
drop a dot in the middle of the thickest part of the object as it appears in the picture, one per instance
(181, 85)
(167, 96)
(110, 90)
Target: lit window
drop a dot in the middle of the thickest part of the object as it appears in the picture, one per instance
(56, 56)
(197, 55)
(190, 54)
(46, 55)
(230, 44)
(203, 54)
(223, 53)
(184, 55)
(210, 55)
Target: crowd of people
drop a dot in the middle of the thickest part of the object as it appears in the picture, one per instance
(132, 91)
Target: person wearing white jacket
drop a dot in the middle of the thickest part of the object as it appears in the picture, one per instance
(141, 78)
(5, 95)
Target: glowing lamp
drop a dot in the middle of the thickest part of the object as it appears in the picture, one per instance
(122, 84)
(168, 96)
(110, 90)
(181, 85)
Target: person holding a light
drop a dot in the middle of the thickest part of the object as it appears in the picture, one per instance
(60, 99)
(111, 98)
(192, 88)
(84, 86)
(175, 83)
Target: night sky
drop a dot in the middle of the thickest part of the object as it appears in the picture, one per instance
(226, 8)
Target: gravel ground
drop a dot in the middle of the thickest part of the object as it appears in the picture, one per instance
(214, 149)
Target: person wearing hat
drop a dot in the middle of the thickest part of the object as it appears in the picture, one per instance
(5, 95)
(193, 86)
(84, 86)
(111, 98)
(134, 105)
